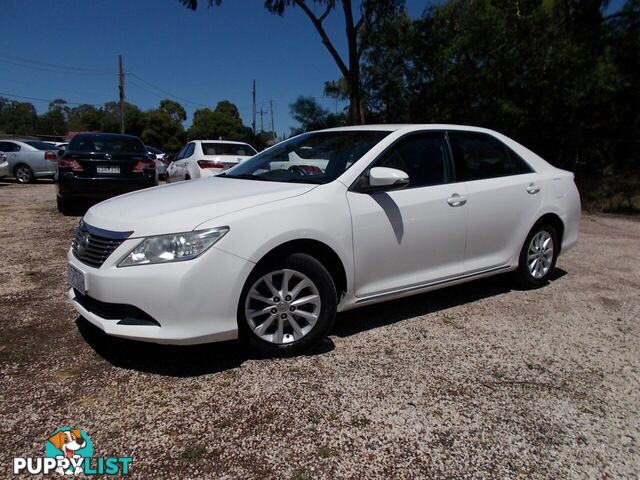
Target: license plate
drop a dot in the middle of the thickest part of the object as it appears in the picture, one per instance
(76, 278)
(107, 169)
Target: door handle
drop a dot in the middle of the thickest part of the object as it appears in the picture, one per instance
(457, 200)
(532, 188)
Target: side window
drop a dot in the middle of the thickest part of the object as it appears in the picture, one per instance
(9, 147)
(424, 157)
(189, 150)
(478, 156)
(180, 154)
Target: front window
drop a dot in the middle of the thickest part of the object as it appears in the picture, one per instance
(318, 157)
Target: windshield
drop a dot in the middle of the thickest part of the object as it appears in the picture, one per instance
(41, 145)
(228, 149)
(318, 157)
(105, 143)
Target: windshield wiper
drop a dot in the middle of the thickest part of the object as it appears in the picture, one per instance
(315, 181)
(245, 176)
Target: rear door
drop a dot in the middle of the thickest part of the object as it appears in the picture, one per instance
(503, 197)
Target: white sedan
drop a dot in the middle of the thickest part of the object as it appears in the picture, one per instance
(205, 158)
(270, 251)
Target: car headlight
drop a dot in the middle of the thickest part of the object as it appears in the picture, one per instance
(173, 248)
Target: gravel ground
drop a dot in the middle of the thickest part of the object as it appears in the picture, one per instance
(473, 381)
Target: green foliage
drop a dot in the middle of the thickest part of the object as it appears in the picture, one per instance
(311, 116)
(222, 123)
(555, 75)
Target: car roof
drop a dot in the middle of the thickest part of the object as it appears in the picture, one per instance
(221, 141)
(408, 127)
(105, 134)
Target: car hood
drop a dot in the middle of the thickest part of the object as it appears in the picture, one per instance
(180, 207)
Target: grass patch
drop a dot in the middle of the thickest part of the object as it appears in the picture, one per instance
(191, 453)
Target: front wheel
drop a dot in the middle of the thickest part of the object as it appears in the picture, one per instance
(538, 257)
(287, 306)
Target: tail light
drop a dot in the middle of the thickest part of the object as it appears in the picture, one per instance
(69, 164)
(210, 164)
(50, 156)
(144, 166)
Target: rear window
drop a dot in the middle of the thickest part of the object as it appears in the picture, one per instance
(41, 145)
(227, 149)
(105, 143)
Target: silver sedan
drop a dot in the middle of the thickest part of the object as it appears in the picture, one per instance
(30, 159)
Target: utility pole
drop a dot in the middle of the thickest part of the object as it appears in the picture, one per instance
(121, 88)
(254, 108)
(261, 112)
(273, 127)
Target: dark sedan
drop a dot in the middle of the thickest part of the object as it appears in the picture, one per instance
(97, 166)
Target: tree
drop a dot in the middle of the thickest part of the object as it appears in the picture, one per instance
(228, 108)
(85, 118)
(163, 126)
(19, 118)
(311, 116)
(176, 111)
(370, 13)
(134, 118)
(222, 123)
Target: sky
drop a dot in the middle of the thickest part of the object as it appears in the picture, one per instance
(69, 49)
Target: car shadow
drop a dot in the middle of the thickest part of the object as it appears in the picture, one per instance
(390, 312)
(197, 360)
(174, 360)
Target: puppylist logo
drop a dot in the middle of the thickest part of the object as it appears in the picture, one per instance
(69, 451)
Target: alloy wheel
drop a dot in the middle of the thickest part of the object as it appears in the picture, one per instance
(540, 254)
(282, 306)
(23, 174)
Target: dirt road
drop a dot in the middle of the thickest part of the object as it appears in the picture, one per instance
(479, 380)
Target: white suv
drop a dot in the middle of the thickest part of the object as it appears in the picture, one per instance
(205, 158)
(270, 251)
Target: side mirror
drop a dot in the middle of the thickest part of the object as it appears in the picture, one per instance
(385, 179)
(61, 152)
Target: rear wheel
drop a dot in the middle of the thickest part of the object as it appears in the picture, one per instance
(538, 257)
(287, 306)
(23, 173)
(63, 205)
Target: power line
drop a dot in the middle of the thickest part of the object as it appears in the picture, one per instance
(46, 67)
(176, 97)
(35, 99)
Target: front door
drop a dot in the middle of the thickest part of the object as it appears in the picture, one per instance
(410, 237)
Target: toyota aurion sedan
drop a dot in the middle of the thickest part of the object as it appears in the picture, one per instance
(271, 249)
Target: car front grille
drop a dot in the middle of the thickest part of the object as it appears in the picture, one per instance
(93, 249)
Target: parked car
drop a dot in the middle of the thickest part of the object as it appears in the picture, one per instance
(161, 165)
(4, 166)
(205, 158)
(98, 166)
(270, 252)
(30, 159)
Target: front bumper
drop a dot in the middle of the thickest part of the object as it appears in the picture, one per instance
(193, 302)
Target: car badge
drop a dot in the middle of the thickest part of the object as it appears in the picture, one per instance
(107, 156)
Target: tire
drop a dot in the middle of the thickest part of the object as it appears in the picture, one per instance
(536, 272)
(63, 205)
(23, 173)
(279, 337)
